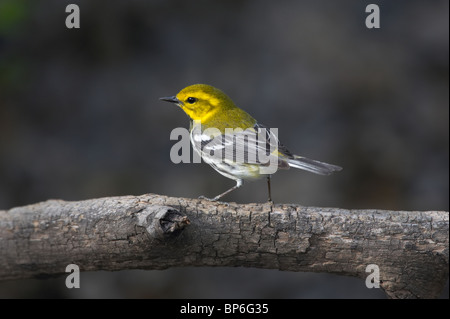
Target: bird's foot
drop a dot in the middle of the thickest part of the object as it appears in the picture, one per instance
(207, 198)
(215, 199)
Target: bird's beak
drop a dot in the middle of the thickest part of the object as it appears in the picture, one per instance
(171, 99)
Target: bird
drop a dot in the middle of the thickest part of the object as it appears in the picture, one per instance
(234, 143)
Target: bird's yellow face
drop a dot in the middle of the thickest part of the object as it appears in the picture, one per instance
(211, 107)
(201, 101)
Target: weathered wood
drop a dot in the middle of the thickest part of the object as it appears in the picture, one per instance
(158, 232)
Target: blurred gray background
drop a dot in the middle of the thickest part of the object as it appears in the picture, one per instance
(80, 116)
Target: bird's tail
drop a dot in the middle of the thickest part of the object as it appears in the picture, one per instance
(313, 166)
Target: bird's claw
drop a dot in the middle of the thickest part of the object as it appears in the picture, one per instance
(207, 198)
(215, 199)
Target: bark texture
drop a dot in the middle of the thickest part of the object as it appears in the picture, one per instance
(158, 232)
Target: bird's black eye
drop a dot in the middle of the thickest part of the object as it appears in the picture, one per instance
(191, 100)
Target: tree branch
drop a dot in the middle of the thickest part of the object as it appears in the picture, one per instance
(158, 232)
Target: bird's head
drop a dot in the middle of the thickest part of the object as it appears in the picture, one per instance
(201, 101)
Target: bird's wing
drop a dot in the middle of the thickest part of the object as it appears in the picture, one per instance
(255, 145)
(282, 150)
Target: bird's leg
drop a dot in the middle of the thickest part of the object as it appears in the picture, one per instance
(268, 187)
(238, 184)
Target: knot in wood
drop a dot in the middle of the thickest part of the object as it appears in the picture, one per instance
(162, 221)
